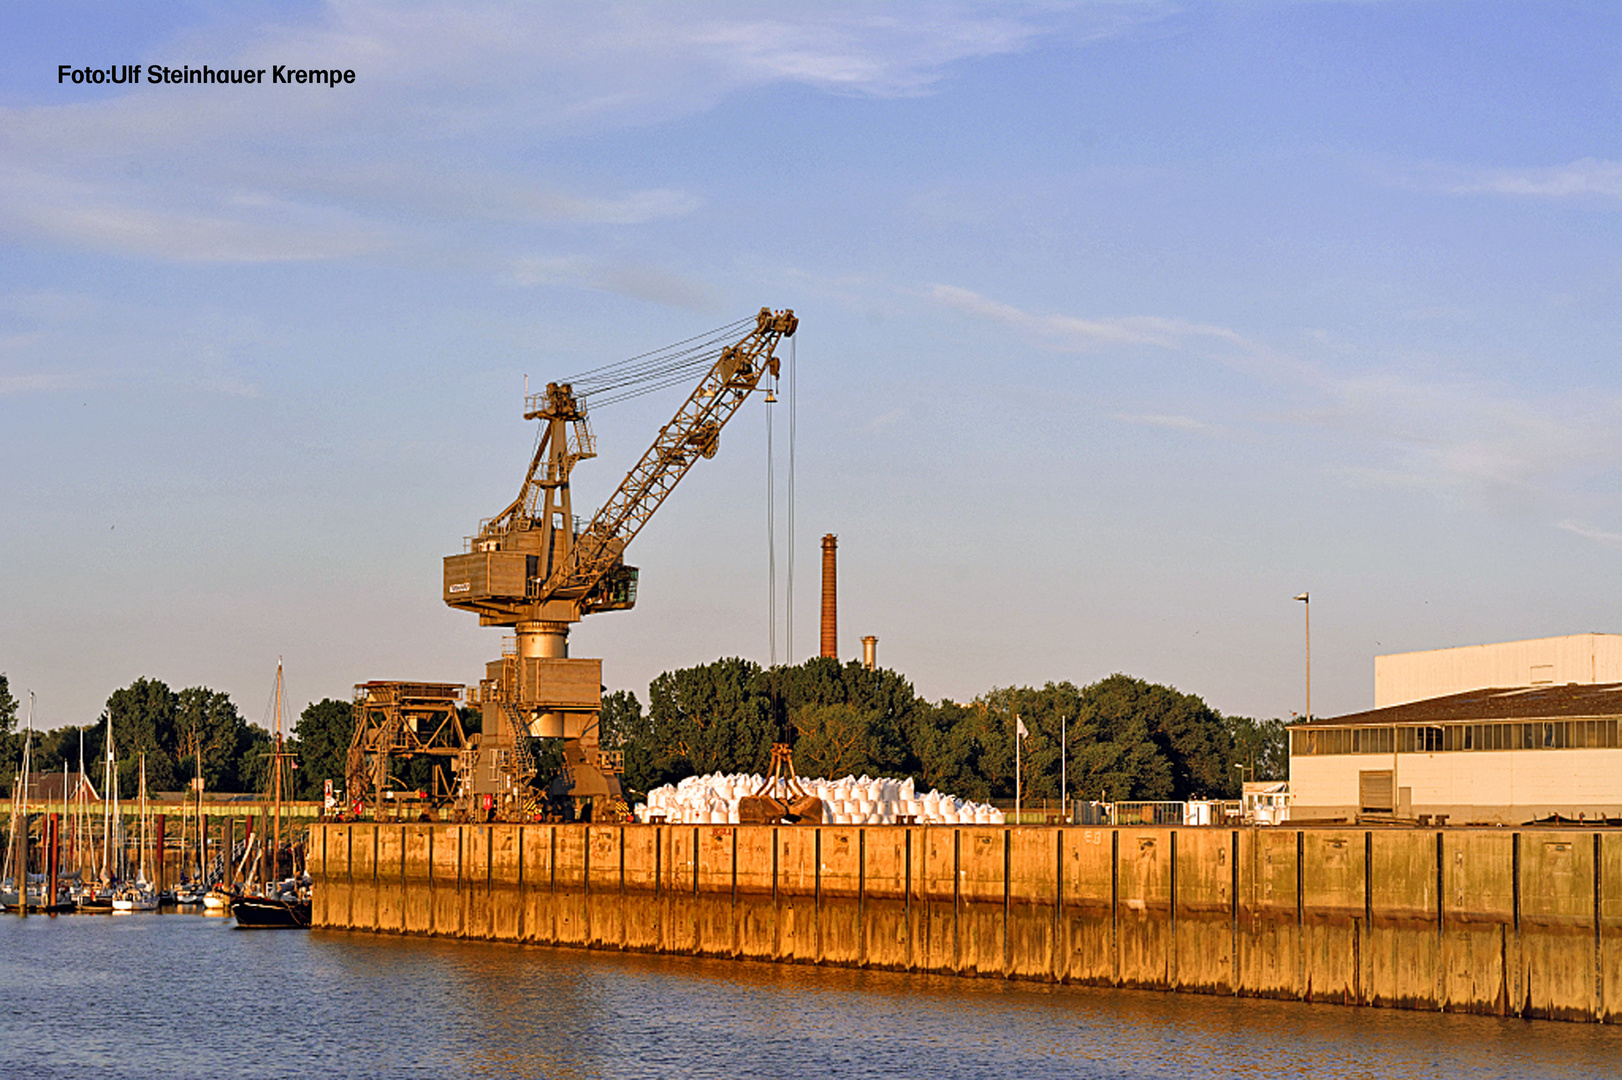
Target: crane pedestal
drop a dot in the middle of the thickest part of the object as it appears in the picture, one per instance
(526, 697)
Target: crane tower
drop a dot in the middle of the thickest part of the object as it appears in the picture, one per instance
(535, 568)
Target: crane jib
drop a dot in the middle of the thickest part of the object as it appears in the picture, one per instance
(531, 562)
(694, 430)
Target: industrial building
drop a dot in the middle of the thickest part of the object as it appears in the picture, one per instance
(1498, 734)
(1584, 659)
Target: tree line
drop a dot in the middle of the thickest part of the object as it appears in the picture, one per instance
(1116, 739)
(1119, 738)
(175, 732)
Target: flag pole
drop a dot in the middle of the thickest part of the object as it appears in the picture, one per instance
(1019, 726)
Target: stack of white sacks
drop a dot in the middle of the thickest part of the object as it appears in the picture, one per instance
(713, 800)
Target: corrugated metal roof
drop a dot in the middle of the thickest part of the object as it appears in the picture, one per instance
(1506, 703)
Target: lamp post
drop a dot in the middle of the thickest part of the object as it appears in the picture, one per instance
(1305, 600)
(1064, 766)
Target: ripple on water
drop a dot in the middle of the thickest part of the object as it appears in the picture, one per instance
(160, 996)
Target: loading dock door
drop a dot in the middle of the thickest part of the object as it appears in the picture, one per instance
(1374, 791)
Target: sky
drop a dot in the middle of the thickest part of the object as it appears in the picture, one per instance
(1121, 325)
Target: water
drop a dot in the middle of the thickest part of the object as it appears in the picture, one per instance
(160, 996)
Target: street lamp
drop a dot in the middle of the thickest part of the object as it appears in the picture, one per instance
(1304, 598)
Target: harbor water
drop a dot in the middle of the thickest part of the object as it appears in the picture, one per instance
(180, 995)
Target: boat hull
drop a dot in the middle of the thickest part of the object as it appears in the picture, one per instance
(262, 913)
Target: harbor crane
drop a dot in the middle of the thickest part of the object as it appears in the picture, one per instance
(533, 567)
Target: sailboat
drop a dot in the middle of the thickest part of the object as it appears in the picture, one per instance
(98, 896)
(21, 891)
(285, 905)
(139, 896)
(190, 891)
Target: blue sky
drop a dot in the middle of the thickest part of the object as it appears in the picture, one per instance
(1122, 324)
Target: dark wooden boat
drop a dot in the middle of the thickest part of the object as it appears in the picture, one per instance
(287, 909)
(271, 913)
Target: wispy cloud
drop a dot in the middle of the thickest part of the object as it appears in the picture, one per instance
(182, 225)
(386, 166)
(1077, 334)
(1608, 539)
(1458, 439)
(867, 50)
(56, 341)
(1176, 423)
(625, 278)
(1586, 178)
(40, 382)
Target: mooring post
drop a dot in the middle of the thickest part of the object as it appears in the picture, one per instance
(158, 823)
(53, 855)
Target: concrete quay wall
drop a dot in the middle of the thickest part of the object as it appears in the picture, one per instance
(1522, 923)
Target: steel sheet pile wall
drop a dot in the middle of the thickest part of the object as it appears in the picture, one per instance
(1510, 923)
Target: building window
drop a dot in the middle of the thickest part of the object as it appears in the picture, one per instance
(1441, 738)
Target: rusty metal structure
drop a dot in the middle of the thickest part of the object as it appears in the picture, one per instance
(830, 596)
(397, 721)
(535, 568)
(781, 798)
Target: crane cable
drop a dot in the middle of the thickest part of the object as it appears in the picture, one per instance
(771, 539)
(771, 520)
(655, 370)
(793, 404)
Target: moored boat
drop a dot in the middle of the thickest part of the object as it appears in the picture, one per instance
(285, 904)
(286, 912)
(136, 898)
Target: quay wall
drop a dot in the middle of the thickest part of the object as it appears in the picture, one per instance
(1503, 922)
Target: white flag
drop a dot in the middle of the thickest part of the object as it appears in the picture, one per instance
(1019, 725)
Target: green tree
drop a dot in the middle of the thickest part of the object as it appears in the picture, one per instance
(843, 718)
(143, 724)
(711, 718)
(950, 744)
(1119, 753)
(8, 707)
(843, 739)
(208, 722)
(253, 761)
(1261, 746)
(9, 748)
(324, 730)
(622, 726)
(60, 746)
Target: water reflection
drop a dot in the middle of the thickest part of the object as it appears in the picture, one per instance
(182, 996)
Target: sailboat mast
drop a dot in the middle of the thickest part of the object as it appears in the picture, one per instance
(113, 835)
(197, 759)
(19, 817)
(276, 851)
(78, 808)
(143, 817)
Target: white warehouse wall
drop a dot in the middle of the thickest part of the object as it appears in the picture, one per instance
(1577, 658)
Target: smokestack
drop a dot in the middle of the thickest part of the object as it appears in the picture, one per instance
(870, 652)
(830, 598)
